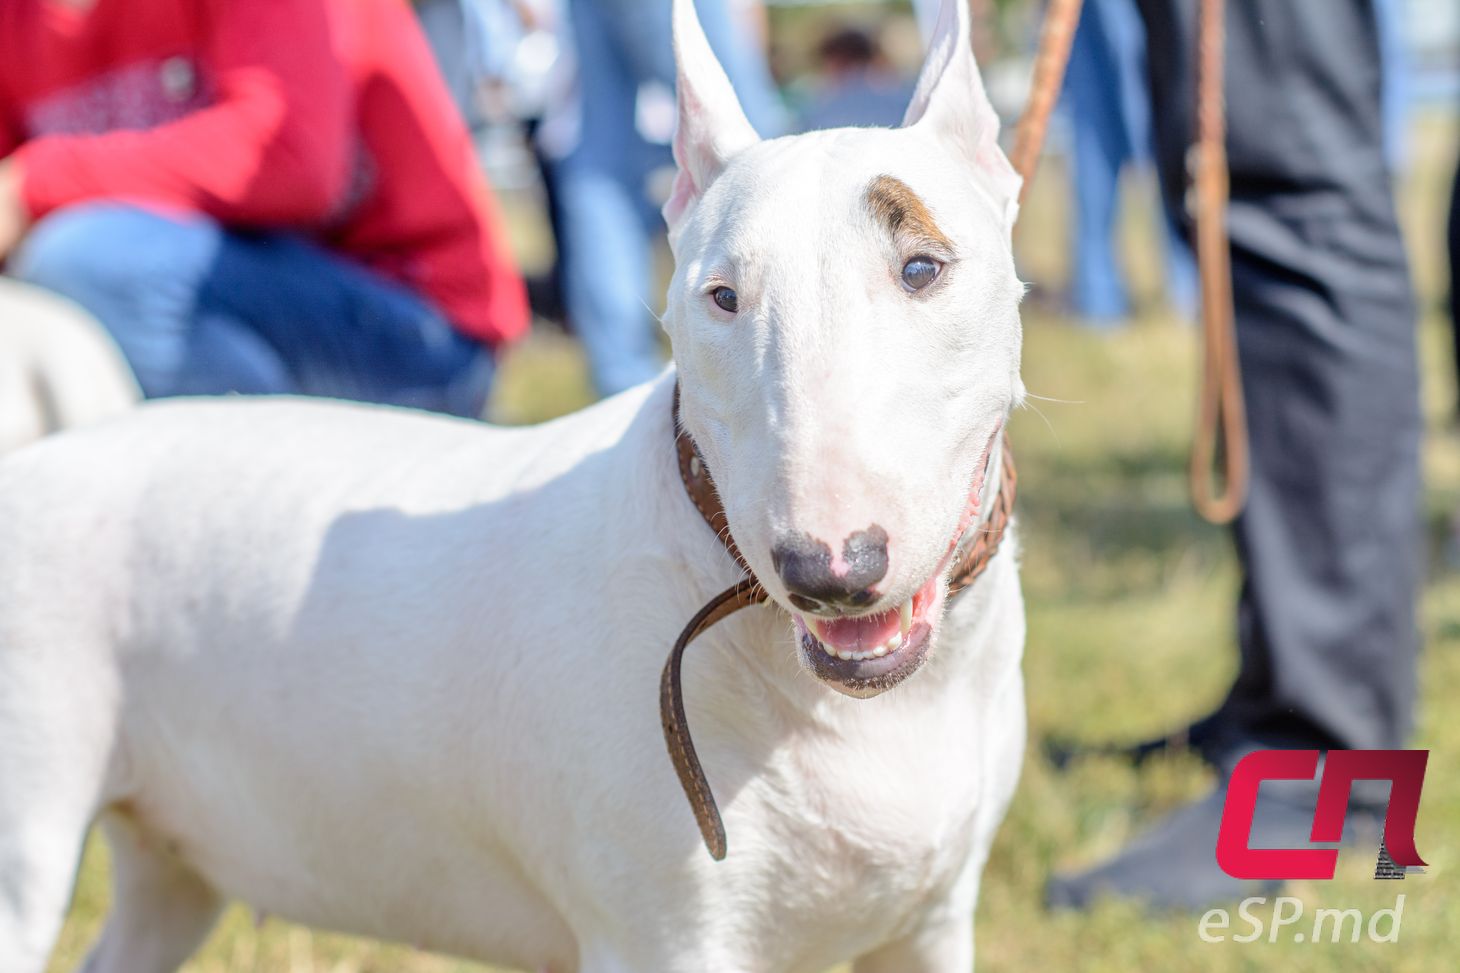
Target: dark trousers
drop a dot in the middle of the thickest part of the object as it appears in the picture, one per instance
(1330, 541)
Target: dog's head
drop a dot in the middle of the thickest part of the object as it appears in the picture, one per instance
(844, 314)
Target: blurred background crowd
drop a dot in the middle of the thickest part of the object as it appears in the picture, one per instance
(383, 165)
(453, 205)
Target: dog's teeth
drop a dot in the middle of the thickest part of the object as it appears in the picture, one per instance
(853, 655)
(905, 619)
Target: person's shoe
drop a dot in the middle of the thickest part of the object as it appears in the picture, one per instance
(1174, 864)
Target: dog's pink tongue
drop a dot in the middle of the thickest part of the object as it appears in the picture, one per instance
(857, 634)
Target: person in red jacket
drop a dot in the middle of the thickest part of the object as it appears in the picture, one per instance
(255, 196)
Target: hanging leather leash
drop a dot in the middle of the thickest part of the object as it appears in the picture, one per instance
(1218, 480)
(1056, 35)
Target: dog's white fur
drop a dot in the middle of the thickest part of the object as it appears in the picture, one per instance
(58, 368)
(397, 675)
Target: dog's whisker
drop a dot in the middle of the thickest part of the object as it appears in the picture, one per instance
(1040, 412)
(1049, 398)
(658, 318)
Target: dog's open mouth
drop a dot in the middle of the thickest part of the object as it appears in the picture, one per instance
(870, 654)
(866, 655)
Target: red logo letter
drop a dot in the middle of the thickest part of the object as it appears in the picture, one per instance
(1233, 855)
(1405, 771)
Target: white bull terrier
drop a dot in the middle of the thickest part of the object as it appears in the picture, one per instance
(396, 675)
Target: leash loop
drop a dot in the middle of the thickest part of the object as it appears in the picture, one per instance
(1219, 466)
(1220, 458)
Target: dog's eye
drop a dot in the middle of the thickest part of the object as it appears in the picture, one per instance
(725, 299)
(919, 272)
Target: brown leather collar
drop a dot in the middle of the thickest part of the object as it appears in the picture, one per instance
(748, 591)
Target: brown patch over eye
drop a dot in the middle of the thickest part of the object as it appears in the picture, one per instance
(905, 217)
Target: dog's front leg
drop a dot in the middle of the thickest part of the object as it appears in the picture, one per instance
(943, 948)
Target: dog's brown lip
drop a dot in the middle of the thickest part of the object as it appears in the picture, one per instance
(865, 678)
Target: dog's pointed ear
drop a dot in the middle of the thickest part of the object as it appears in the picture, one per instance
(950, 101)
(712, 126)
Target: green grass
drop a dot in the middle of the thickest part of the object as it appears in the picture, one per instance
(1130, 633)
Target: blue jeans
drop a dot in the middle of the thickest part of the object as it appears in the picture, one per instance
(201, 310)
(1108, 98)
(609, 222)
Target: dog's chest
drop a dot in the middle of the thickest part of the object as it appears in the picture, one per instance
(860, 827)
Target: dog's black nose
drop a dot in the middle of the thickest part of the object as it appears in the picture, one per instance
(804, 566)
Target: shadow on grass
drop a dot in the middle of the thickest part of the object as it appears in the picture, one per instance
(1121, 521)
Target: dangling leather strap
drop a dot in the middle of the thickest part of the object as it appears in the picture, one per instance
(748, 591)
(676, 727)
(1056, 36)
(1220, 466)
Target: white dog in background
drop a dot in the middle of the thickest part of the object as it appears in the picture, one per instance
(397, 675)
(58, 368)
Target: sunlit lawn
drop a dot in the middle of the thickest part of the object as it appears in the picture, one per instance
(1130, 633)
